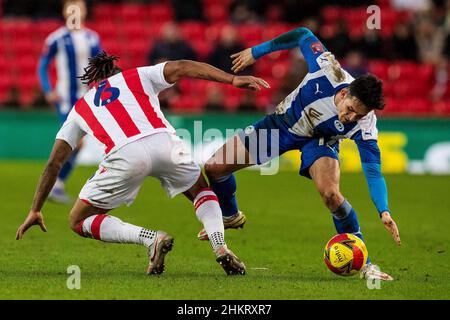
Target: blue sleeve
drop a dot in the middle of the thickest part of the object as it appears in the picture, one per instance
(47, 55)
(309, 45)
(371, 164)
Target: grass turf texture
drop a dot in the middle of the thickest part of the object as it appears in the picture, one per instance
(282, 243)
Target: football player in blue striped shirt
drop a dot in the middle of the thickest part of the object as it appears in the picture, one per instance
(329, 105)
(70, 46)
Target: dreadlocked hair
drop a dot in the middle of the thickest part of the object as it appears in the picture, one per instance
(100, 67)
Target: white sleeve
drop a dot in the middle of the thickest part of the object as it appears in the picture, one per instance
(156, 76)
(333, 70)
(70, 131)
(368, 126)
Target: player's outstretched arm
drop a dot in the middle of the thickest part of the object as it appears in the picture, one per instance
(60, 153)
(371, 164)
(288, 40)
(176, 70)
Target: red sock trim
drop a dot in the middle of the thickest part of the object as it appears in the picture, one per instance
(80, 229)
(95, 227)
(205, 189)
(202, 200)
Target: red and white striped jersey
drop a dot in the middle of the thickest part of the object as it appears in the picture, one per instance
(119, 110)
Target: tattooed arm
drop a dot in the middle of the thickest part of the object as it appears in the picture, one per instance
(175, 70)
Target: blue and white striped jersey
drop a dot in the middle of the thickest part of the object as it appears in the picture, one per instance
(310, 111)
(71, 49)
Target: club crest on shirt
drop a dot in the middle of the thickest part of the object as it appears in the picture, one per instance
(338, 125)
(249, 130)
(316, 47)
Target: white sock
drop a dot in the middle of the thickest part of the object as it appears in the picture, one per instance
(111, 229)
(59, 184)
(208, 211)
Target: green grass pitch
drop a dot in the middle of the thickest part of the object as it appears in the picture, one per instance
(282, 243)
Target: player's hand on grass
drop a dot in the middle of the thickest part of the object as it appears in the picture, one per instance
(249, 82)
(34, 218)
(391, 226)
(242, 60)
(52, 97)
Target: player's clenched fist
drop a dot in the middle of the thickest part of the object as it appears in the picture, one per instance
(391, 226)
(34, 218)
(242, 60)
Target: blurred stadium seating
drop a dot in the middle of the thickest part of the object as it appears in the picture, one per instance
(129, 30)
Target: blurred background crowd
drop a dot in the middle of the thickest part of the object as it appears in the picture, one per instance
(410, 51)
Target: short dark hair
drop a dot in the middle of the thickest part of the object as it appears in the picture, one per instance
(369, 90)
(100, 67)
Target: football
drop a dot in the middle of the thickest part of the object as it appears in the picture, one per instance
(345, 254)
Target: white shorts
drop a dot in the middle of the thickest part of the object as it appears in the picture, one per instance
(121, 174)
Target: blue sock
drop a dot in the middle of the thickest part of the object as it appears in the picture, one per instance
(346, 221)
(225, 189)
(68, 166)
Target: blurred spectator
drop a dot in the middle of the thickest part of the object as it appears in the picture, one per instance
(13, 99)
(430, 41)
(441, 80)
(171, 46)
(244, 11)
(215, 99)
(228, 45)
(248, 102)
(340, 42)
(274, 13)
(295, 11)
(371, 44)
(403, 44)
(296, 72)
(411, 5)
(188, 9)
(355, 63)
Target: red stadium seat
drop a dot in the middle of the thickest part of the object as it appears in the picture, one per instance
(159, 13)
(134, 13)
(224, 3)
(331, 14)
(216, 13)
(250, 33)
(275, 30)
(419, 106)
(212, 31)
(26, 65)
(193, 31)
(379, 68)
(442, 107)
(202, 48)
(107, 30)
(104, 11)
(135, 31)
(187, 104)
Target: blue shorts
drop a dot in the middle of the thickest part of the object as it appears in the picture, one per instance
(269, 138)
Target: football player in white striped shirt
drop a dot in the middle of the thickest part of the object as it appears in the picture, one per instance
(122, 111)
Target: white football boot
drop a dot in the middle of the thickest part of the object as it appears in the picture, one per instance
(229, 261)
(157, 252)
(373, 272)
(234, 222)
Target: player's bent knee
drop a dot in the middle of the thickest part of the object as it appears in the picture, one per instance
(214, 171)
